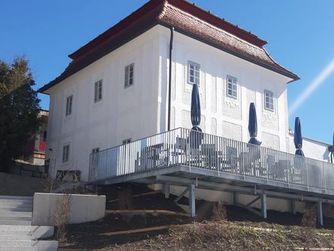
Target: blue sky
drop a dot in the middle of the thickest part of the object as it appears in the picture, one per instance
(300, 36)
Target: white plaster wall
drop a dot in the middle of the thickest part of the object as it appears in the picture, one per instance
(123, 113)
(82, 208)
(311, 148)
(222, 115)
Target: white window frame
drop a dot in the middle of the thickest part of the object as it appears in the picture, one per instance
(231, 87)
(268, 101)
(69, 105)
(66, 153)
(98, 89)
(194, 73)
(129, 75)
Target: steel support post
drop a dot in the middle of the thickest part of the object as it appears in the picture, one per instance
(192, 205)
(293, 207)
(264, 205)
(320, 214)
(234, 198)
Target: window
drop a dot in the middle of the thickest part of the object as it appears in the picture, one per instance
(66, 153)
(98, 91)
(69, 102)
(194, 73)
(129, 75)
(126, 141)
(269, 100)
(231, 87)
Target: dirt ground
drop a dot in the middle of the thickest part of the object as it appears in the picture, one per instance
(156, 223)
(158, 231)
(11, 184)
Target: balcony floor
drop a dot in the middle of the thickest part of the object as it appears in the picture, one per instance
(183, 175)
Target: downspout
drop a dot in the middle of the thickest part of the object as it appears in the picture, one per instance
(170, 76)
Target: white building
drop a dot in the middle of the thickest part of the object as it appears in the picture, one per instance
(117, 87)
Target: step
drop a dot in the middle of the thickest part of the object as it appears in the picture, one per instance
(16, 200)
(29, 245)
(16, 209)
(17, 237)
(39, 234)
(14, 214)
(9, 197)
(15, 204)
(33, 232)
(9, 217)
(14, 221)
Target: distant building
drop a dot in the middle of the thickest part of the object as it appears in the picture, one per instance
(34, 153)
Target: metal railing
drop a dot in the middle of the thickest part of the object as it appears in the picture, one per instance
(183, 147)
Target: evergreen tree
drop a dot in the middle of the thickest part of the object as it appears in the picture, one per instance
(19, 107)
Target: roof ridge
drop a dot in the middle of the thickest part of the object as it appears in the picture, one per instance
(241, 32)
(181, 4)
(220, 29)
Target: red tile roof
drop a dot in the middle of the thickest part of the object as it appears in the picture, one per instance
(186, 18)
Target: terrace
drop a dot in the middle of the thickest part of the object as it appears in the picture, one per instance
(193, 159)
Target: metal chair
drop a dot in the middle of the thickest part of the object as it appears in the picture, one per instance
(231, 159)
(272, 165)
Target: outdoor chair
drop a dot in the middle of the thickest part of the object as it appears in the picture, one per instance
(283, 169)
(209, 155)
(315, 178)
(246, 163)
(180, 150)
(151, 156)
(272, 166)
(298, 172)
(231, 159)
(180, 145)
(249, 161)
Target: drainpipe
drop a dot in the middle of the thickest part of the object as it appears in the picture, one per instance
(170, 76)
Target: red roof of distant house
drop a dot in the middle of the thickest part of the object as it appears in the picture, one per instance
(186, 18)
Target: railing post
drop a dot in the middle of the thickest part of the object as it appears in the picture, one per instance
(307, 175)
(324, 177)
(267, 165)
(320, 213)
(288, 167)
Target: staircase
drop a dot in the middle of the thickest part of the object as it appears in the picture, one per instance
(16, 232)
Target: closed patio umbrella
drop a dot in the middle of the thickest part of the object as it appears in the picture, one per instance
(252, 125)
(196, 131)
(195, 109)
(298, 139)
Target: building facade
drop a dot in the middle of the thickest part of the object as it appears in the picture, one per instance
(135, 80)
